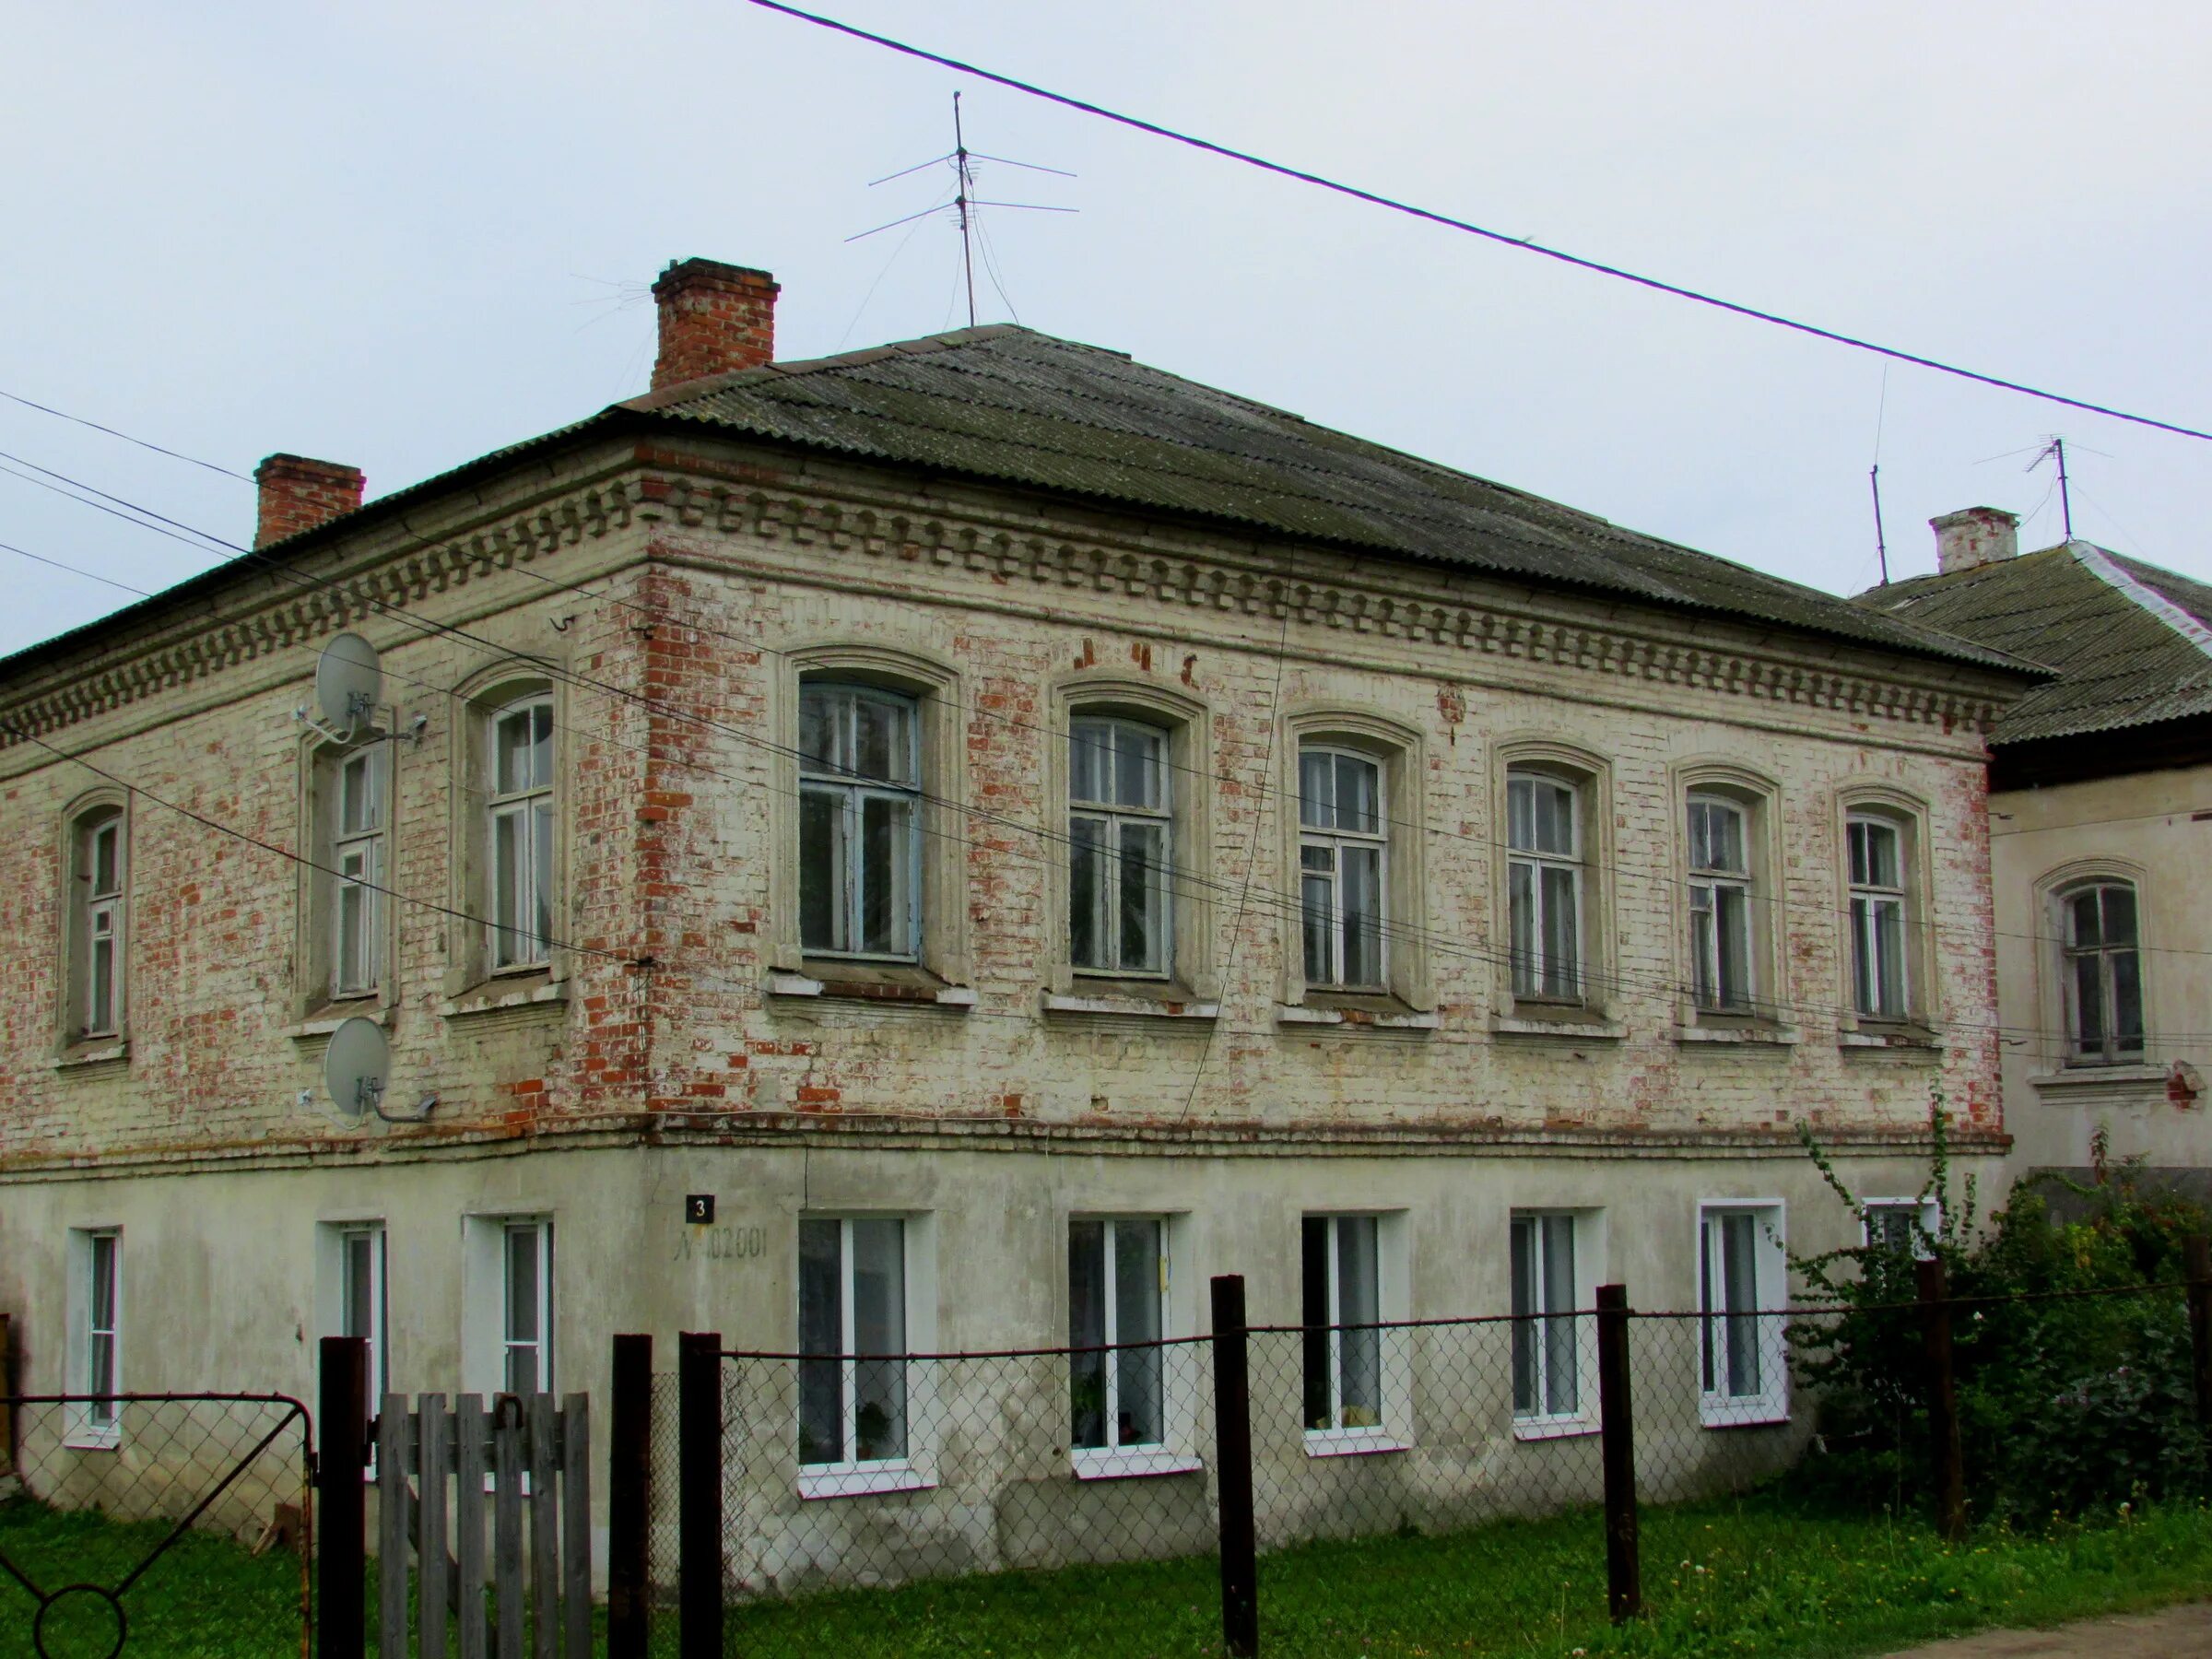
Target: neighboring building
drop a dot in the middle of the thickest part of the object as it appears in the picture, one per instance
(1023, 832)
(2101, 837)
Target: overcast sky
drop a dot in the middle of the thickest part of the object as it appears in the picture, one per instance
(404, 234)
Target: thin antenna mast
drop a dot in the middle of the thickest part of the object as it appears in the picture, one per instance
(2056, 450)
(959, 201)
(1881, 542)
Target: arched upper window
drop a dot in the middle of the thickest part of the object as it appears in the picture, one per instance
(519, 823)
(1543, 873)
(99, 873)
(1121, 847)
(1722, 890)
(2101, 949)
(1879, 875)
(860, 821)
(1343, 854)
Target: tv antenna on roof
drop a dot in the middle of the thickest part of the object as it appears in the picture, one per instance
(965, 203)
(2056, 450)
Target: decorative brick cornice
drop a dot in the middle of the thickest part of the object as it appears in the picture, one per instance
(1012, 550)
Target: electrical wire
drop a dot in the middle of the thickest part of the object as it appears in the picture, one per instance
(1376, 199)
(141, 442)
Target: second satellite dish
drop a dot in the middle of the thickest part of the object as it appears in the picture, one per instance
(350, 682)
(355, 1068)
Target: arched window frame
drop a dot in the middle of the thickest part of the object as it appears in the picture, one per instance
(1758, 798)
(1398, 750)
(1590, 775)
(1186, 723)
(2058, 956)
(940, 959)
(95, 933)
(321, 987)
(1906, 814)
(476, 962)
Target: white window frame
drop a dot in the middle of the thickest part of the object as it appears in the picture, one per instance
(2111, 1051)
(540, 1345)
(917, 1470)
(1178, 1380)
(1928, 1211)
(1706, 881)
(1717, 1408)
(519, 949)
(1866, 900)
(1335, 839)
(1392, 1429)
(851, 790)
(1536, 862)
(358, 863)
(1113, 817)
(333, 1305)
(91, 1427)
(1585, 1235)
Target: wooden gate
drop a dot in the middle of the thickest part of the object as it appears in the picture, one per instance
(526, 1460)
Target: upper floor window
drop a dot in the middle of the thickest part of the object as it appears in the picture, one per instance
(1544, 875)
(860, 821)
(356, 863)
(520, 809)
(1721, 893)
(2103, 973)
(99, 861)
(1879, 978)
(1120, 845)
(1342, 855)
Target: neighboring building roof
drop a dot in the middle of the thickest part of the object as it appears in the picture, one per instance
(1010, 405)
(2132, 644)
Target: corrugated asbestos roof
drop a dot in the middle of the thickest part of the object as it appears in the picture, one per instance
(2132, 644)
(1010, 405)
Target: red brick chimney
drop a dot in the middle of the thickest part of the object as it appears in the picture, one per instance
(1976, 536)
(714, 318)
(298, 494)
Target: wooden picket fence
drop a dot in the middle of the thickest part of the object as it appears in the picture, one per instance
(528, 1460)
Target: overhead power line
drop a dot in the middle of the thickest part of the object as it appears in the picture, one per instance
(1376, 199)
(142, 442)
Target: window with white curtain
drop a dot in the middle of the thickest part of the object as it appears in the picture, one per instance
(1342, 1303)
(1342, 853)
(520, 815)
(1548, 1371)
(1742, 1283)
(526, 1327)
(95, 1316)
(860, 821)
(1545, 876)
(1120, 847)
(854, 1405)
(1117, 1270)
(2100, 951)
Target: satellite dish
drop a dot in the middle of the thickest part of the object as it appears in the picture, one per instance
(350, 682)
(354, 1068)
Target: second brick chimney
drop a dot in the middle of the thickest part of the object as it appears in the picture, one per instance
(714, 318)
(298, 494)
(1976, 536)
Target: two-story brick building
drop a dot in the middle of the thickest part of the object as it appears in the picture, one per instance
(1023, 832)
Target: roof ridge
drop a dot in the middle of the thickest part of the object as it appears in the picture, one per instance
(2106, 568)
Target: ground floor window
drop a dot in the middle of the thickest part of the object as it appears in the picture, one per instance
(1742, 1274)
(1116, 1282)
(96, 1296)
(1547, 1380)
(852, 1382)
(1345, 1346)
(527, 1259)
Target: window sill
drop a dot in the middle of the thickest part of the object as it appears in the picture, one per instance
(88, 1055)
(1093, 1464)
(1119, 999)
(1352, 1442)
(1397, 1018)
(1560, 1022)
(524, 997)
(1906, 1036)
(1721, 1412)
(839, 981)
(326, 1017)
(1752, 1036)
(1554, 1427)
(865, 1481)
(94, 1440)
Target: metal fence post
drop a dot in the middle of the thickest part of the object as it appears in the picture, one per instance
(340, 1492)
(628, 1463)
(699, 1493)
(1946, 1454)
(2196, 1265)
(1232, 1470)
(1624, 1566)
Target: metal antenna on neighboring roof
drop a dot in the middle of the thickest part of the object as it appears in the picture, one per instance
(2057, 448)
(965, 203)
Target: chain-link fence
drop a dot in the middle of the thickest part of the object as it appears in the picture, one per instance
(857, 1471)
(117, 1514)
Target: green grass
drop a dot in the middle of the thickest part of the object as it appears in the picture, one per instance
(205, 1598)
(1759, 1575)
(1763, 1575)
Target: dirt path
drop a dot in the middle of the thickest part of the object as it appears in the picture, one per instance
(2176, 1632)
